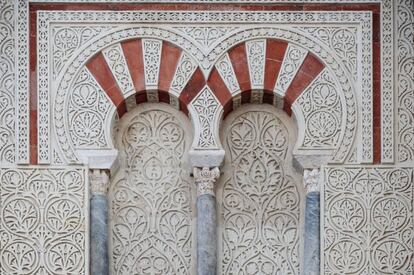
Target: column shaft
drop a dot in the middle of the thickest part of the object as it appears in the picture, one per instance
(99, 262)
(99, 235)
(312, 234)
(206, 235)
(206, 220)
(312, 223)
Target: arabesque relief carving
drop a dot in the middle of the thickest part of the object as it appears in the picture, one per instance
(259, 200)
(152, 198)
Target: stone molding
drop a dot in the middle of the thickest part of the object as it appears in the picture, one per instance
(311, 180)
(205, 180)
(99, 181)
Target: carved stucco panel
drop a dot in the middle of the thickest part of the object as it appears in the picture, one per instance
(88, 111)
(22, 81)
(367, 220)
(152, 196)
(7, 81)
(44, 221)
(322, 112)
(259, 198)
(405, 77)
(206, 108)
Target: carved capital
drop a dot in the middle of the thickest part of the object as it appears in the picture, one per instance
(311, 180)
(205, 180)
(99, 180)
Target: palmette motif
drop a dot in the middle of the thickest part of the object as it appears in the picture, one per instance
(150, 199)
(259, 203)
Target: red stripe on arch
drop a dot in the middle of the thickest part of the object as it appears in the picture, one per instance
(170, 56)
(102, 73)
(220, 90)
(310, 68)
(133, 55)
(238, 59)
(193, 87)
(275, 52)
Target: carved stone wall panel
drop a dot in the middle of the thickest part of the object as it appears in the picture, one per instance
(152, 196)
(207, 109)
(185, 69)
(405, 77)
(226, 71)
(256, 57)
(259, 199)
(66, 42)
(343, 41)
(321, 107)
(8, 50)
(22, 79)
(152, 57)
(88, 109)
(44, 221)
(367, 217)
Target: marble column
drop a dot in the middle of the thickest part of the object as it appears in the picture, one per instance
(99, 264)
(206, 220)
(312, 223)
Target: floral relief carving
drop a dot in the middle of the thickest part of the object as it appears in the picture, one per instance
(151, 197)
(259, 203)
(7, 82)
(367, 221)
(256, 57)
(67, 40)
(206, 36)
(185, 68)
(405, 78)
(43, 221)
(321, 107)
(22, 81)
(88, 105)
(206, 108)
(152, 56)
(341, 40)
(226, 71)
